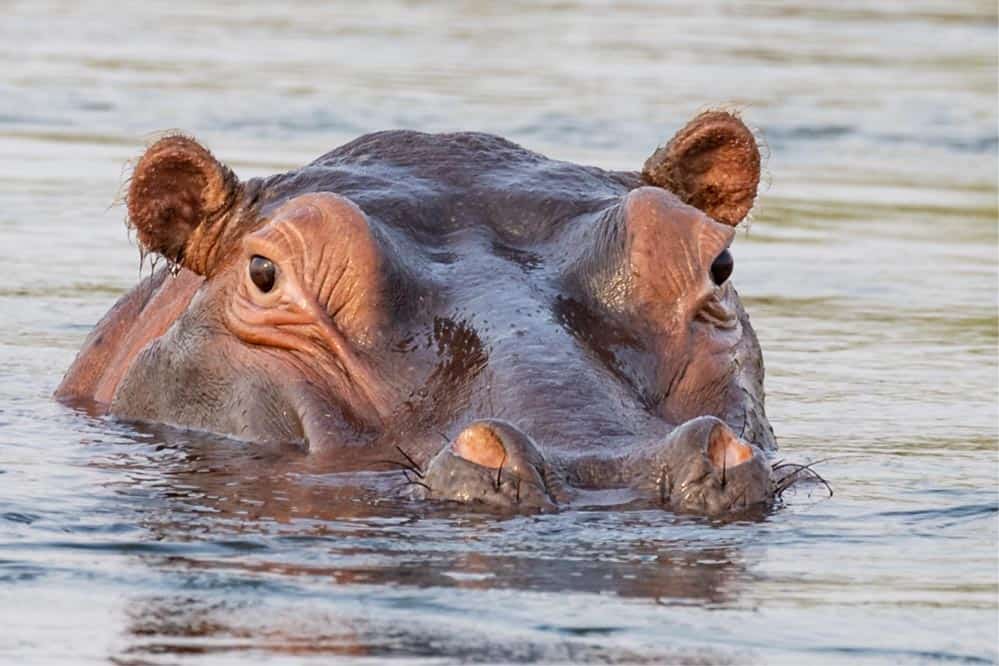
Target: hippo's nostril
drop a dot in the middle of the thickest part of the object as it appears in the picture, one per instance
(480, 445)
(492, 462)
(721, 268)
(725, 450)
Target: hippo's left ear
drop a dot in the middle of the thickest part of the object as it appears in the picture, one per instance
(178, 199)
(712, 164)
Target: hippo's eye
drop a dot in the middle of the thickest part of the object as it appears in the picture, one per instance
(722, 267)
(262, 272)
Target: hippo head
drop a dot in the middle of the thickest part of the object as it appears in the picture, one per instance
(512, 330)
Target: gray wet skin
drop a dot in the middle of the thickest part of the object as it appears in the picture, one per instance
(514, 329)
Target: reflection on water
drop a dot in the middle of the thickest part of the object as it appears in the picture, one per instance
(870, 271)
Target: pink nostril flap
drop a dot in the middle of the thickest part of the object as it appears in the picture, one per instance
(726, 450)
(480, 445)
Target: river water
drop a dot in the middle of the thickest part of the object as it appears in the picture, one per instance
(870, 270)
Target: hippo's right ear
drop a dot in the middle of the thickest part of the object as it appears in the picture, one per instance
(177, 194)
(712, 164)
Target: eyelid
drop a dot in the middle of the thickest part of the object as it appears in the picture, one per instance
(261, 247)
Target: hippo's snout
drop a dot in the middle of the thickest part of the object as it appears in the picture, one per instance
(701, 467)
(491, 462)
(704, 467)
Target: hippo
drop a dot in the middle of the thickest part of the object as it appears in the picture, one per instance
(504, 329)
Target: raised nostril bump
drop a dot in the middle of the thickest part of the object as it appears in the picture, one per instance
(480, 445)
(725, 450)
(721, 268)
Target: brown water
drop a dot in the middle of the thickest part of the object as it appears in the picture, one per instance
(870, 271)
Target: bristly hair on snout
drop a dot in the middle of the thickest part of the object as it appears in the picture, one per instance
(797, 473)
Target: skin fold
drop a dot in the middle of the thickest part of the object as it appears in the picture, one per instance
(506, 329)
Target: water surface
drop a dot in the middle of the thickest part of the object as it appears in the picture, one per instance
(870, 270)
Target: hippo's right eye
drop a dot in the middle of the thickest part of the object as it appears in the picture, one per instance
(262, 272)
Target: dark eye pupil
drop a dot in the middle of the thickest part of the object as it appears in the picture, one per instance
(722, 267)
(263, 273)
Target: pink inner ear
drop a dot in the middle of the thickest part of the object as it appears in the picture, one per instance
(726, 450)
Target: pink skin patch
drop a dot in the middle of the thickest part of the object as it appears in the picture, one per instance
(726, 450)
(480, 445)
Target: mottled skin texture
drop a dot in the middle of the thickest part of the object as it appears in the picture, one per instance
(517, 329)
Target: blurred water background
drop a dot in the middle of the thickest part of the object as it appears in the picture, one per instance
(870, 270)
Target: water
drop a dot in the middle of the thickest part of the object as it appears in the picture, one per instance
(870, 270)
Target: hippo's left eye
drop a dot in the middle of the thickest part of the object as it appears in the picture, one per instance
(262, 272)
(721, 268)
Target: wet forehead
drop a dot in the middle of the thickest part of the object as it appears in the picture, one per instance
(431, 186)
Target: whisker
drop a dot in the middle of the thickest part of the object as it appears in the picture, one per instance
(408, 482)
(808, 468)
(499, 472)
(797, 467)
(416, 467)
(788, 481)
(414, 482)
(795, 476)
(781, 463)
(401, 465)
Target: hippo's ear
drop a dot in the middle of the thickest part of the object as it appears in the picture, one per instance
(178, 189)
(712, 164)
